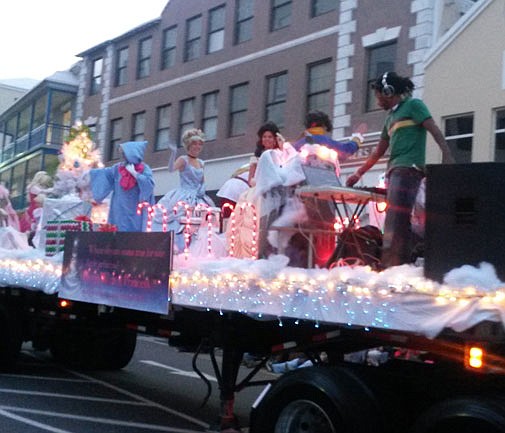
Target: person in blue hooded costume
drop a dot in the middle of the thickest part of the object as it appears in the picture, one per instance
(130, 182)
(318, 124)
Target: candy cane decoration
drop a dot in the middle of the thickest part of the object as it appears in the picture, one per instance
(209, 216)
(164, 216)
(147, 205)
(254, 247)
(187, 229)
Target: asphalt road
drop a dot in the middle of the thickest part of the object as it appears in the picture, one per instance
(156, 392)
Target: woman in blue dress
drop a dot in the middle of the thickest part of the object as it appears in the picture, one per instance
(191, 191)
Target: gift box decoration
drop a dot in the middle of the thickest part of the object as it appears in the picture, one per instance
(56, 230)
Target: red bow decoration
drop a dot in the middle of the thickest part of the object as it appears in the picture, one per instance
(127, 181)
(83, 218)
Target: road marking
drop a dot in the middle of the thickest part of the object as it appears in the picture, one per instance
(28, 376)
(134, 396)
(178, 371)
(154, 340)
(5, 410)
(32, 423)
(140, 398)
(71, 396)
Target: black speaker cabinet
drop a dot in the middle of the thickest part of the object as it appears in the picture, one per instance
(465, 217)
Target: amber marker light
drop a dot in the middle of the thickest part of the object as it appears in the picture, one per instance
(65, 304)
(474, 357)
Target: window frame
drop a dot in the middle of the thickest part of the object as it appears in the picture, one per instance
(138, 126)
(212, 116)
(95, 84)
(162, 128)
(499, 134)
(193, 42)
(218, 31)
(184, 125)
(276, 21)
(168, 52)
(314, 4)
(121, 69)
(143, 59)
(316, 93)
(239, 111)
(277, 99)
(113, 139)
(452, 140)
(376, 69)
(243, 22)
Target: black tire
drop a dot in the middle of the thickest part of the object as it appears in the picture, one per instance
(92, 349)
(10, 338)
(463, 415)
(317, 400)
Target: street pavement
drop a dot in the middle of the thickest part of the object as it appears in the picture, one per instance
(156, 392)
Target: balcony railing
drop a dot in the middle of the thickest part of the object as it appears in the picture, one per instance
(49, 134)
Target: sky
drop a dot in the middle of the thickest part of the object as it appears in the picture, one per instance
(38, 38)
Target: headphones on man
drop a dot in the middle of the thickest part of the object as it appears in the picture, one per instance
(387, 89)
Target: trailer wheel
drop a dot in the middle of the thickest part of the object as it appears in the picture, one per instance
(93, 349)
(10, 339)
(317, 399)
(463, 415)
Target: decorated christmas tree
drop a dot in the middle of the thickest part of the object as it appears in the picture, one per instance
(78, 155)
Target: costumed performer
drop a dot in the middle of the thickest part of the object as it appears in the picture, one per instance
(279, 166)
(191, 190)
(233, 188)
(10, 236)
(130, 182)
(318, 124)
(37, 190)
(8, 216)
(244, 177)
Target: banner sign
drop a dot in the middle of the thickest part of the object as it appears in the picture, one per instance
(119, 269)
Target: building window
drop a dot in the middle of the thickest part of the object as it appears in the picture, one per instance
(96, 76)
(187, 116)
(319, 86)
(17, 186)
(168, 48)
(459, 137)
(144, 58)
(209, 116)
(499, 136)
(121, 66)
(281, 14)
(163, 127)
(215, 38)
(138, 126)
(276, 98)
(116, 127)
(243, 20)
(320, 7)
(380, 59)
(193, 37)
(238, 109)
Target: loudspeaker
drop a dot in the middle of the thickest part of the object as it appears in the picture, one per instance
(387, 89)
(465, 217)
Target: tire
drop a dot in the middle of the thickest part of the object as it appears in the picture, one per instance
(463, 415)
(92, 349)
(10, 339)
(317, 400)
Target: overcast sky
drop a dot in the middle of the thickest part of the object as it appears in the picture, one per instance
(40, 37)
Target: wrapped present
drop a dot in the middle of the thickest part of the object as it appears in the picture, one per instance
(56, 230)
